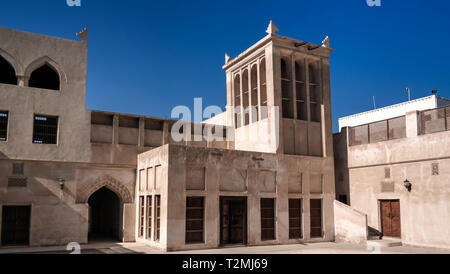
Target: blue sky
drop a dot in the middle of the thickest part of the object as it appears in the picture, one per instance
(146, 57)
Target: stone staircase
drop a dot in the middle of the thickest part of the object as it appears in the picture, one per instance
(375, 237)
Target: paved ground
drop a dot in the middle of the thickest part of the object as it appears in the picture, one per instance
(313, 248)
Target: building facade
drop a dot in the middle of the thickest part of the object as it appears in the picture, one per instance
(69, 174)
(395, 169)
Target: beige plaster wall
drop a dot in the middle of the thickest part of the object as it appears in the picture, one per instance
(425, 210)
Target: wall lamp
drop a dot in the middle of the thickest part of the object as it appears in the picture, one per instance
(407, 185)
(61, 183)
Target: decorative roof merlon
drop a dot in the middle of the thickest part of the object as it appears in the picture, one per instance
(227, 58)
(272, 29)
(326, 42)
(83, 34)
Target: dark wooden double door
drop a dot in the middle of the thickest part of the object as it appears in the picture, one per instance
(390, 218)
(16, 225)
(233, 220)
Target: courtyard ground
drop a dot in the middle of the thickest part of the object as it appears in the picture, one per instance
(310, 248)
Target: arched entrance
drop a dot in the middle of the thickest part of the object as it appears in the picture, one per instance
(104, 215)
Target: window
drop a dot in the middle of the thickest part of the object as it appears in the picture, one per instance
(359, 135)
(397, 128)
(17, 182)
(295, 218)
(141, 216)
(245, 96)
(286, 90)
(142, 181)
(387, 172)
(380, 131)
(263, 89)
(3, 125)
(302, 113)
(254, 93)
(435, 169)
(316, 218)
(433, 120)
(45, 129)
(157, 217)
(149, 217)
(267, 219)
(18, 169)
(315, 99)
(7, 73)
(44, 77)
(194, 219)
(237, 101)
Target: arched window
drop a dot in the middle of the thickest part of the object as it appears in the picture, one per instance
(237, 101)
(286, 90)
(263, 89)
(7, 72)
(44, 77)
(254, 92)
(245, 94)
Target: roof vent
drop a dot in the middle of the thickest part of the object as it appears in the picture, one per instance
(434, 92)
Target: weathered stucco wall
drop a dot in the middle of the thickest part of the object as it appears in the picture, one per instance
(69, 58)
(243, 174)
(60, 216)
(152, 179)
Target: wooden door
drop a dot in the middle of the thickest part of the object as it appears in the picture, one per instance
(390, 218)
(233, 220)
(236, 222)
(16, 225)
(316, 218)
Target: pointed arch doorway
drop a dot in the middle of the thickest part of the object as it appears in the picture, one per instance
(105, 208)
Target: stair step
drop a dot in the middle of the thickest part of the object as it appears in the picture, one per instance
(373, 238)
(385, 242)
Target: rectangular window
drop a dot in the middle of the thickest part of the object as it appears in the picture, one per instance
(157, 217)
(378, 132)
(141, 216)
(316, 218)
(3, 126)
(149, 217)
(142, 182)
(435, 169)
(397, 128)
(45, 129)
(359, 135)
(295, 218)
(387, 172)
(18, 169)
(194, 219)
(267, 219)
(433, 121)
(17, 182)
